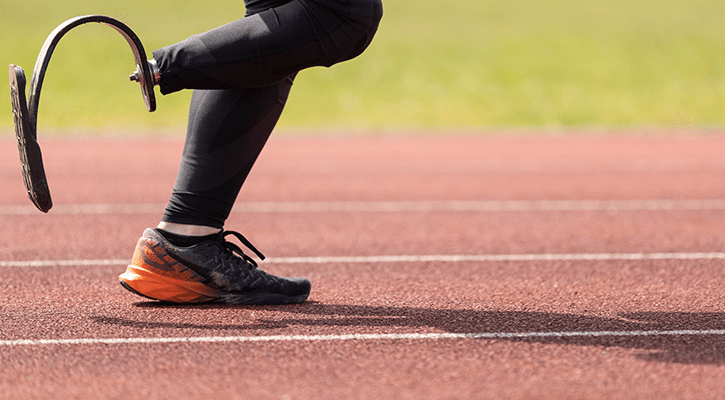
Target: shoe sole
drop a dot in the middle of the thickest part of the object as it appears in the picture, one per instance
(151, 285)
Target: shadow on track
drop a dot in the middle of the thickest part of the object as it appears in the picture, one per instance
(686, 349)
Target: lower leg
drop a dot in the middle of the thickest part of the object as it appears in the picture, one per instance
(226, 133)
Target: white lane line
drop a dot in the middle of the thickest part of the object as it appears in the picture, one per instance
(498, 257)
(408, 258)
(391, 206)
(63, 263)
(358, 337)
(85, 209)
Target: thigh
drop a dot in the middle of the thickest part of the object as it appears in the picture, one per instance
(265, 48)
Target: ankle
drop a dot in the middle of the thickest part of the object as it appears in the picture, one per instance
(182, 240)
(187, 230)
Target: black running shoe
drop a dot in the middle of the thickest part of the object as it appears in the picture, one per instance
(211, 271)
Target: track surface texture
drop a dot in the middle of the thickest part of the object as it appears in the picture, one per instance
(582, 266)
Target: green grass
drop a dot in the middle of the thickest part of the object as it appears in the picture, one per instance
(460, 64)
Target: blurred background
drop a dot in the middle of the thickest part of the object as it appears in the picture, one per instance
(453, 66)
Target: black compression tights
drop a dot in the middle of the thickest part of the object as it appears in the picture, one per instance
(242, 73)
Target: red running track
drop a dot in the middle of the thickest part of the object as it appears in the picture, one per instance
(442, 267)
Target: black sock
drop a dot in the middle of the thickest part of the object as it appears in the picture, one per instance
(183, 240)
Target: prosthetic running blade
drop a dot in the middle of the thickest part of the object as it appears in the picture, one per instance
(25, 110)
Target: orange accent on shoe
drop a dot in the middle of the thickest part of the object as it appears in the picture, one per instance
(156, 275)
(166, 288)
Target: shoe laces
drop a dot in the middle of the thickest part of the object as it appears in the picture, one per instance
(232, 248)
